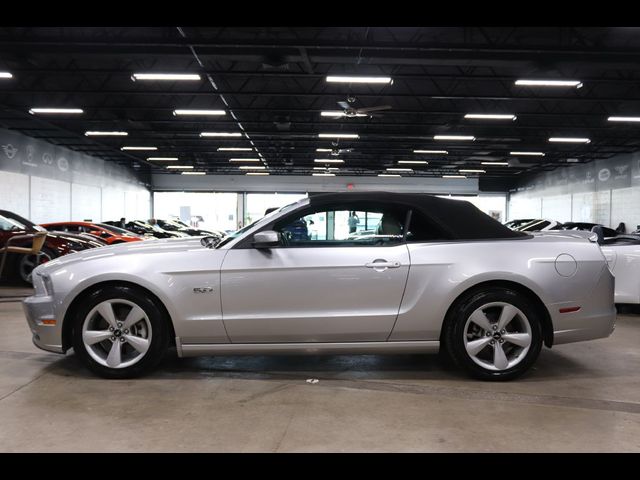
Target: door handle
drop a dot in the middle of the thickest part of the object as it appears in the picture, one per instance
(381, 264)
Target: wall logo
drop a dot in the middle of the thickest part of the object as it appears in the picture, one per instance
(9, 150)
(604, 174)
(63, 164)
(621, 169)
(47, 159)
(30, 150)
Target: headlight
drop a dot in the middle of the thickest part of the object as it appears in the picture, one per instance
(43, 285)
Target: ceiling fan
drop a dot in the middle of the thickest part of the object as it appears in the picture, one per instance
(350, 111)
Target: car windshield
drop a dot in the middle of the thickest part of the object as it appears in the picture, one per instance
(262, 220)
(114, 229)
(12, 221)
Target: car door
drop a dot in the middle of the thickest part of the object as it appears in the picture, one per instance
(323, 283)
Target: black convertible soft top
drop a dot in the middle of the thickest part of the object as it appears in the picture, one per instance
(459, 219)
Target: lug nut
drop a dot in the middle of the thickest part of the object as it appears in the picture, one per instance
(503, 331)
(501, 341)
(495, 327)
(488, 334)
(122, 339)
(126, 331)
(113, 338)
(119, 324)
(111, 329)
(492, 342)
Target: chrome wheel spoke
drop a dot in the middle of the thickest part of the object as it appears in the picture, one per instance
(115, 355)
(475, 346)
(139, 343)
(91, 337)
(135, 315)
(500, 360)
(479, 318)
(106, 311)
(508, 313)
(520, 339)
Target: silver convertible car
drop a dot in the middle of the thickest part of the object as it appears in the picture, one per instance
(415, 273)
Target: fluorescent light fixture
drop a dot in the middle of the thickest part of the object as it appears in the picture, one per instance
(550, 83)
(528, 154)
(323, 174)
(471, 170)
(338, 135)
(220, 134)
(482, 116)
(139, 148)
(572, 160)
(399, 169)
(244, 159)
(176, 167)
(162, 159)
(323, 150)
(340, 113)
(257, 173)
(33, 111)
(235, 149)
(454, 176)
(350, 79)
(496, 164)
(6, 75)
(194, 173)
(454, 137)
(328, 160)
(165, 76)
(623, 119)
(252, 167)
(389, 175)
(432, 152)
(569, 140)
(105, 134)
(199, 112)
(412, 162)
(326, 168)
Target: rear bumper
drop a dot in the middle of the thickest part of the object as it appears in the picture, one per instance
(46, 337)
(595, 319)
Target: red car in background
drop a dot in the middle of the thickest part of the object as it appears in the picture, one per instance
(56, 244)
(109, 234)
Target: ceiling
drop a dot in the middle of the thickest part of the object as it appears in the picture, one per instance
(271, 83)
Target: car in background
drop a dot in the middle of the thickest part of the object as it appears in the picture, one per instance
(515, 224)
(143, 228)
(538, 225)
(105, 232)
(587, 227)
(56, 245)
(178, 226)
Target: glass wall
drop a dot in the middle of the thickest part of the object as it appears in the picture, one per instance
(205, 210)
(258, 203)
(493, 205)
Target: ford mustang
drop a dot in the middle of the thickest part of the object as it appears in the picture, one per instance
(435, 274)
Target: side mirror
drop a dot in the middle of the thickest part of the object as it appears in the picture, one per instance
(266, 239)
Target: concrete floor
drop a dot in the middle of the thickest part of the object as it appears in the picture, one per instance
(578, 398)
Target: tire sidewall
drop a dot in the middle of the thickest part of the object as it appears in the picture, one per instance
(157, 319)
(455, 331)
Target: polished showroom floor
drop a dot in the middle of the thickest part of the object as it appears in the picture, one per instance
(580, 397)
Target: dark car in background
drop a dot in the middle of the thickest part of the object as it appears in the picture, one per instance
(143, 228)
(19, 267)
(178, 226)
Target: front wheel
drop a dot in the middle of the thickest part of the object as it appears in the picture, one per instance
(120, 332)
(495, 334)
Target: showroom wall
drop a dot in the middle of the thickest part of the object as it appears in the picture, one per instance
(47, 183)
(603, 191)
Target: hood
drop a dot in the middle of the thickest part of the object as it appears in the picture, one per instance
(164, 246)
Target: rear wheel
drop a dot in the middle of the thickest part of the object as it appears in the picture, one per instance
(120, 332)
(495, 334)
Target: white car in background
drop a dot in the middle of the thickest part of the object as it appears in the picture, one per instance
(539, 225)
(623, 256)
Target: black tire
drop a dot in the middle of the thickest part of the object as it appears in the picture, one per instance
(24, 270)
(159, 327)
(454, 331)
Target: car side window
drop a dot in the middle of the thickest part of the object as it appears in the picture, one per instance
(421, 229)
(343, 227)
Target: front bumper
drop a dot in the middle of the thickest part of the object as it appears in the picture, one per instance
(47, 337)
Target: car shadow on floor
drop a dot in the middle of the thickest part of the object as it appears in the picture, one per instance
(408, 367)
